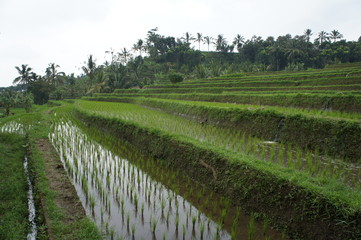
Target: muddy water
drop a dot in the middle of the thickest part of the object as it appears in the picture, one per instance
(131, 196)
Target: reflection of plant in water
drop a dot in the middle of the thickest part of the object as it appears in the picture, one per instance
(107, 183)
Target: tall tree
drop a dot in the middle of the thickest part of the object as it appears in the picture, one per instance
(90, 67)
(124, 55)
(292, 51)
(308, 33)
(221, 43)
(111, 52)
(238, 42)
(208, 41)
(53, 76)
(139, 46)
(101, 83)
(199, 39)
(188, 38)
(322, 37)
(25, 75)
(335, 35)
(41, 90)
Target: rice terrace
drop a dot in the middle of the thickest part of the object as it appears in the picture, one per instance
(209, 153)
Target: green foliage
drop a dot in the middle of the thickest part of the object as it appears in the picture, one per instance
(13, 198)
(41, 90)
(8, 99)
(27, 100)
(175, 77)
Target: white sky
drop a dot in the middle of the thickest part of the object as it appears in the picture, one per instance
(65, 32)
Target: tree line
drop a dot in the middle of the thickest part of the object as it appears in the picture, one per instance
(159, 58)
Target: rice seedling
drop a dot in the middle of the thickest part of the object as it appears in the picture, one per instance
(132, 190)
(194, 219)
(184, 231)
(154, 225)
(223, 215)
(176, 222)
(251, 228)
(133, 230)
(128, 220)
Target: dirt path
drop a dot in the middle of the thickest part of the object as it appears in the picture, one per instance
(66, 197)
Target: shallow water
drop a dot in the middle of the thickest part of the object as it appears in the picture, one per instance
(31, 205)
(130, 196)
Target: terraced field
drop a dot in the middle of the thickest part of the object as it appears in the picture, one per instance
(281, 146)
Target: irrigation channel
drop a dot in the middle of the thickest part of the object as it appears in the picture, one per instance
(31, 205)
(131, 196)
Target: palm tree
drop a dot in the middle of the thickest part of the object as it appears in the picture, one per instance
(34, 77)
(90, 67)
(111, 52)
(187, 38)
(25, 75)
(101, 82)
(221, 43)
(208, 40)
(124, 55)
(53, 76)
(199, 39)
(139, 46)
(322, 37)
(238, 42)
(335, 35)
(308, 33)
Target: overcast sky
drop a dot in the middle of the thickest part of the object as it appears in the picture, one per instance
(65, 32)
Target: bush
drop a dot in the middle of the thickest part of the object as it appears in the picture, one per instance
(175, 77)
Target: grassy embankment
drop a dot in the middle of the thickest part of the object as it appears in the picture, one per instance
(13, 197)
(335, 133)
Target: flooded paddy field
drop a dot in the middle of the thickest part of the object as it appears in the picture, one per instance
(131, 196)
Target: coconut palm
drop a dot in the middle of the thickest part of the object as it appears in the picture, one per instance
(111, 52)
(308, 33)
(101, 82)
(322, 37)
(25, 75)
(220, 43)
(124, 55)
(53, 76)
(188, 37)
(199, 39)
(238, 42)
(208, 40)
(138, 46)
(334, 35)
(90, 67)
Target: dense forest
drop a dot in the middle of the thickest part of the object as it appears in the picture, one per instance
(159, 58)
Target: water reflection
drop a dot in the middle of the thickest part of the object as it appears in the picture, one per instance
(126, 202)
